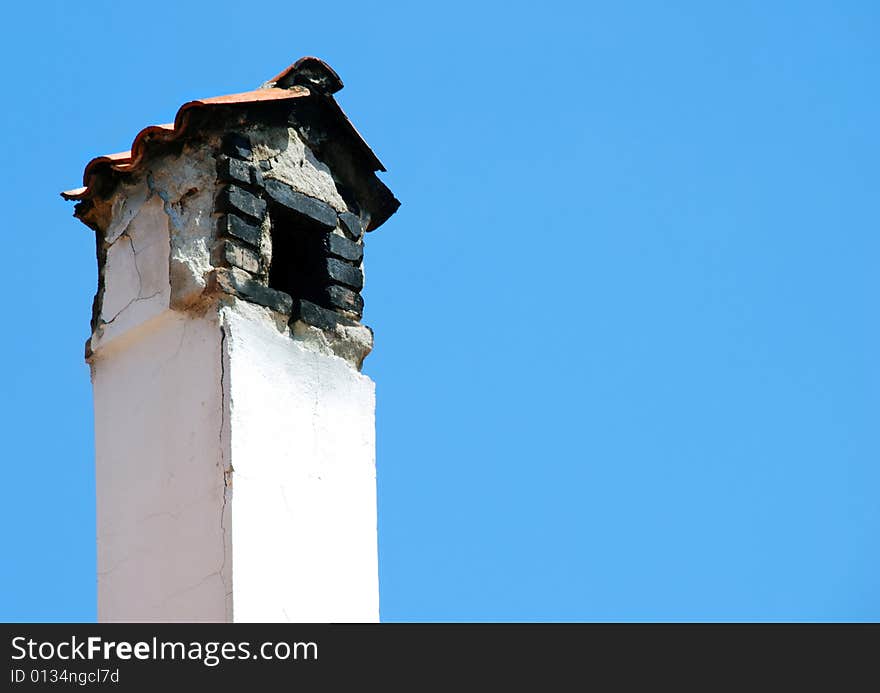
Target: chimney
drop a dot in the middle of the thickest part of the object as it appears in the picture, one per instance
(234, 432)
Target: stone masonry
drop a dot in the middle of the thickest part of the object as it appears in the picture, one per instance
(266, 202)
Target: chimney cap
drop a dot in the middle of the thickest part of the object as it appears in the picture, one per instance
(310, 72)
(308, 76)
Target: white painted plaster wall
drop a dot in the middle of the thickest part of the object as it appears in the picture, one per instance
(162, 543)
(182, 399)
(136, 281)
(302, 427)
(290, 533)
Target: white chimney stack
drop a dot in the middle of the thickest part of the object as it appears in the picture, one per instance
(234, 432)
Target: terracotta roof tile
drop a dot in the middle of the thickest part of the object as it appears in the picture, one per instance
(130, 160)
(292, 83)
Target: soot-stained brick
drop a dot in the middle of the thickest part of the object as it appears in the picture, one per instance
(342, 273)
(236, 145)
(240, 255)
(240, 200)
(236, 227)
(343, 248)
(316, 316)
(344, 299)
(235, 281)
(233, 170)
(352, 225)
(238, 171)
(312, 211)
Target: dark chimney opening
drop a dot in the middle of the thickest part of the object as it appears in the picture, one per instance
(297, 254)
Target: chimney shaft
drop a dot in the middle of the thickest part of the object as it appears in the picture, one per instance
(235, 436)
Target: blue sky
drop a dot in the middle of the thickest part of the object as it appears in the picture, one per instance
(626, 319)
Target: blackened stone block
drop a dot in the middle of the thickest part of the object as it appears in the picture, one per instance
(352, 225)
(240, 255)
(312, 211)
(240, 200)
(235, 170)
(316, 316)
(342, 273)
(239, 283)
(343, 248)
(344, 299)
(236, 227)
(236, 145)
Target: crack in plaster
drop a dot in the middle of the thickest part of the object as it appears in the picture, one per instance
(316, 403)
(227, 471)
(137, 270)
(286, 502)
(188, 588)
(137, 554)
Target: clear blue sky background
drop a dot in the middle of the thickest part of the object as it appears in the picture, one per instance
(627, 319)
